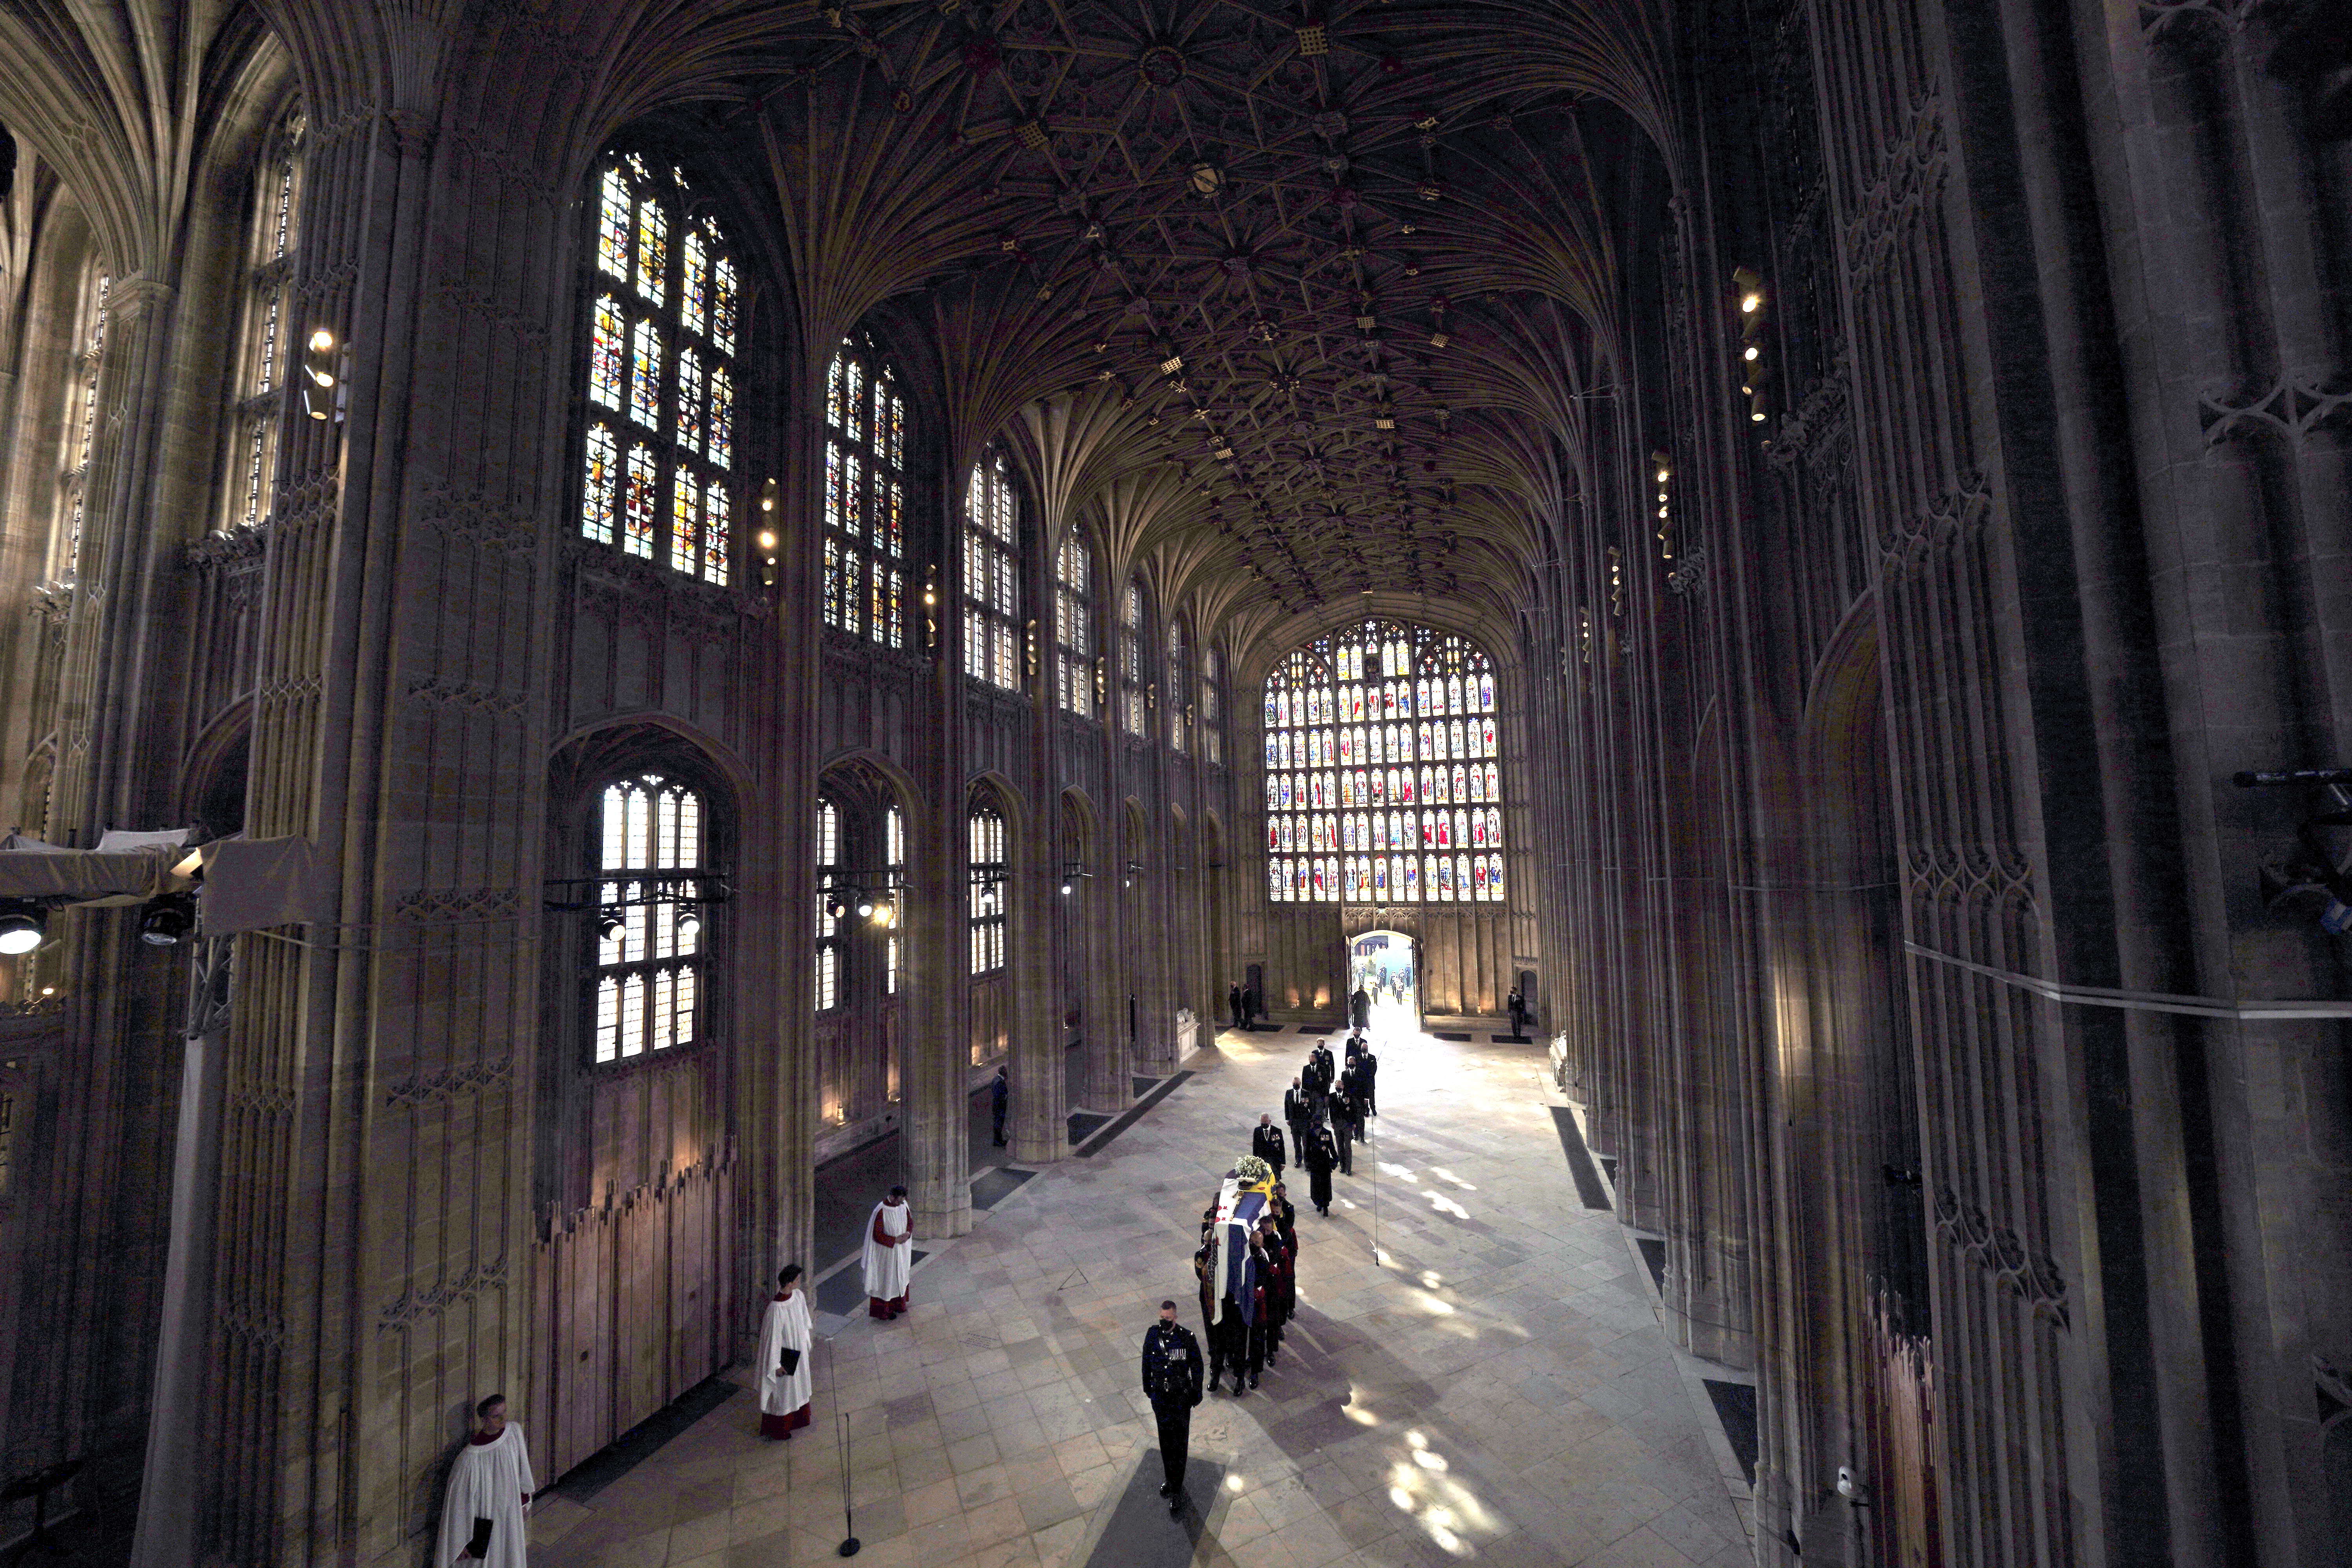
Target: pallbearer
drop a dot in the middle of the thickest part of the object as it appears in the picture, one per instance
(785, 1379)
(489, 1494)
(890, 1255)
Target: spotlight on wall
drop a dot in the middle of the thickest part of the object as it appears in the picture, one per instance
(166, 920)
(2315, 875)
(690, 924)
(23, 926)
(837, 906)
(321, 396)
(608, 924)
(1754, 372)
(866, 906)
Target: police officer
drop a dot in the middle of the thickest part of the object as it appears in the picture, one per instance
(1171, 1381)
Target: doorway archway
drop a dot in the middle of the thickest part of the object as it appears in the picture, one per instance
(1386, 965)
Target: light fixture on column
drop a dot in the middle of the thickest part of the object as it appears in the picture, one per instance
(1134, 870)
(322, 396)
(1754, 372)
(22, 925)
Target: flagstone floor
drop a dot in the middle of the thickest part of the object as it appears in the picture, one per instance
(1491, 1387)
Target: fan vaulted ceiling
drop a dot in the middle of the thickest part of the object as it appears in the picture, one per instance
(1330, 291)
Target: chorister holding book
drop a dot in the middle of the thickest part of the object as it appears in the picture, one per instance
(482, 1515)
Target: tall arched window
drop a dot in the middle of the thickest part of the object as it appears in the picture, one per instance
(1130, 658)
(1074, 643)
(80, 423)
(828, 924)
(865, 497)
(992, 600)
(894, 857)
(649, 950)
(1382, 783)
(270, 338)
(988, 874)
(1212, 705)
(1180, 683)
(660, 445)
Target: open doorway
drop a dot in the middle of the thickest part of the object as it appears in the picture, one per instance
(1380, 963)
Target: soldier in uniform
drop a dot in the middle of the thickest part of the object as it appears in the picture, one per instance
(1171, 1381)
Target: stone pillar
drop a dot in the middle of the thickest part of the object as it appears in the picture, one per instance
(166, 1531)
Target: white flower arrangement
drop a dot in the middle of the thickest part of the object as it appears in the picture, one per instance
(1253, 1170)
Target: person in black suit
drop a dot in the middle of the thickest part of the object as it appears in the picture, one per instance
(1367, 1074)
(1233, 1001)
(1266, 1142)
(1295, 1109)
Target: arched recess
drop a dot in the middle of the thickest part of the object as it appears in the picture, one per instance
(637, 1291)
(1216, 895)
(1183, 927)
(861, 1010)
(1080, 895)
(1857, 1235)
(1142, 1027)
(212, 782)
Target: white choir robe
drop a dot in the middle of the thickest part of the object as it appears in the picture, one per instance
(889, 1261)
(490, 1481)
(785, 1396)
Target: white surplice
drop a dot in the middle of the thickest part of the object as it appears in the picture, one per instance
(787, 1327)
(489, 1481)
(886, 1268)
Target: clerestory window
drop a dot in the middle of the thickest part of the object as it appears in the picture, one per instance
(657, 468)
(991, 597)
(865, 497)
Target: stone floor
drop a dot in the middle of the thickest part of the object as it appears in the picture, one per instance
(1490, 1386)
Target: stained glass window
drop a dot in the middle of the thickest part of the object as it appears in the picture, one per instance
(992, 598)
(1212, 705)
(1130, 659)
(1381, 783)
(650, 947)
(1073, 625)
(988, 902)
(661, 376)
(865, 497)
(270, 334)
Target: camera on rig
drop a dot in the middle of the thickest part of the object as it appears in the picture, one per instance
(2317, 874)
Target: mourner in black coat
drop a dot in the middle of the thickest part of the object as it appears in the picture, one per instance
(1320, 1154)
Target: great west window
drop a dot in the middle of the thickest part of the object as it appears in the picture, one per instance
(1383, 784)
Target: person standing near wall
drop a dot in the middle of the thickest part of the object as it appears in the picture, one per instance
(999, 1100)
(1233, 1002)
(483, 1513)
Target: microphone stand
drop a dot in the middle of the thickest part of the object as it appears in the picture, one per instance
(849, 1542)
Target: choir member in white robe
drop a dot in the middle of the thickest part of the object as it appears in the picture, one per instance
(890, 1255)
(784, 1395)
(489, 1484)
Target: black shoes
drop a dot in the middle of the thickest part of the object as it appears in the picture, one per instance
(1176, 1504)
(1167, 1490)
(1253, 1382)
